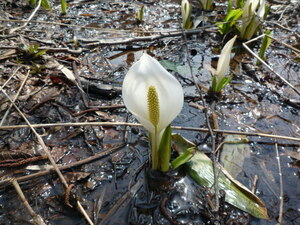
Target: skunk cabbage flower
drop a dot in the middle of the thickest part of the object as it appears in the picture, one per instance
(154, 97)
(219, 78)
(186, 11)
(252, 17)
(206, 4)
(224, 59)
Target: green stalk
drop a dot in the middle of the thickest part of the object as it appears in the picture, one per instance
(154, 149)
(63, 7)
(164, 150)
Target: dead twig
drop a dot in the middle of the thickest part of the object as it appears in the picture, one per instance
(15, 98)
(28, 20)
(110, 124)
(20, 162)
(281, 184)
(37, 219)
(265, 64)
(212, 135)
(49, 49)
(10, 77)
(40, 140)
(6, 182)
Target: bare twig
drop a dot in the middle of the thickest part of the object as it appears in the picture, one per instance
(64, 167)
(216, 186)
(270, 68)
(109, 124)
(49, 49)
(63, 180)
(254, 184)
(36, 218)
(28, 20)
(15, 98)
(286, 45)
(11, 76)
(281, 185)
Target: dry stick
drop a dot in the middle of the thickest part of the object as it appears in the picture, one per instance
(216, 186)
(49, 49)
(270, 68)
(15, 98)
(286, 45)
(36, 218)
(109, 30)
(63, 180)
(68, 166)
(110, 124)
(14, 73)
(28, 20)
(281, 184)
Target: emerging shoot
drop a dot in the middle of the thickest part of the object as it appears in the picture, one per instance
(186, 11)
(219, 78)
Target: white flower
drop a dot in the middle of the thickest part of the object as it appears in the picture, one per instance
(252, 17)
(224, 60)
(152, 94)
(186, 11)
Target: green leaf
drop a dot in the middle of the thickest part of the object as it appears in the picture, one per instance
(200, 168)
(214, 84)
(140, 14)
(183, 158)
(223, 83)
(180, 144)
(266, 41)
(39, 53)
(165, 150)
(45, 4)
(63, 7)
(234, 152)
(32, 3)
(230, 20)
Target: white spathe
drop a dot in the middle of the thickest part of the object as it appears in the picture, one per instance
(253, 13)
(145, 73)
(224, 59)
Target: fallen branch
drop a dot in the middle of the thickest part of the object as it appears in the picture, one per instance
(281, 185)
(65, 50)
(28, 20)
(37, 219)
(41, 141)
(6, 182)
(265, 64)
(111, 124)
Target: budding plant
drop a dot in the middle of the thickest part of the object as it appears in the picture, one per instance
(186, 11)
(230, 20)
(140, 15)
(219, 78)
(155, 98)
(46, 5)
(253, 14)
(206, 4)
(266, 41)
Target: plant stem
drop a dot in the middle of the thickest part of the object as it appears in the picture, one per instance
(154, 149)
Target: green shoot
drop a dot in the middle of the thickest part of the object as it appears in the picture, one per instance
(206, 4)
(165, 150)
(186, 11)
(266, 41)
(46, 5)
(140, 14)
(230, 20)
(219, 78)
(63, 7)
